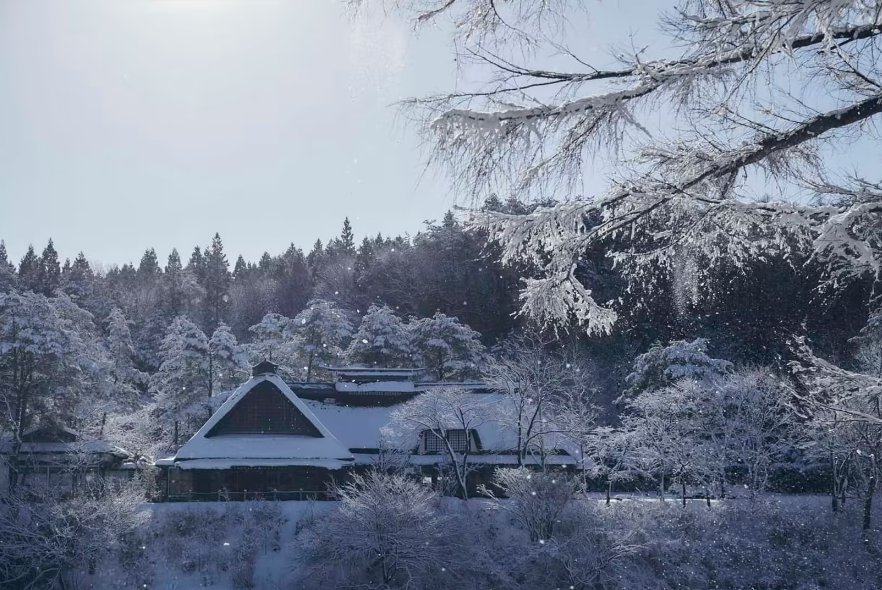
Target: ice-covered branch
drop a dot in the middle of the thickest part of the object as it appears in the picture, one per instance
(679, 197)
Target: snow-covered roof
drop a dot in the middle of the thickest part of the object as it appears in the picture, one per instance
(359, 427)
(360, 374)
(375, 387)
(48, 439)
(43, 448)
(231, 463)
(357, 369)
(495, 459)
(49, 430)
(348, 391)
(356, 427)
(253, 449)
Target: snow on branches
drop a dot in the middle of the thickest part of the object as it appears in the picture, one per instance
(740, 94)
(381, 339)
(450, 349)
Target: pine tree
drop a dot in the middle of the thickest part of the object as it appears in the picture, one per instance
(8, 280)
(181, 384)
(41, 356)
(197, 263)
(29, 270)
(347, 239)
(173, 265)
(78, 283)
(49, 270)
(127, 284)
(228, 363)
(365, 256)
(148, 269)
(180, 288)
(381, 340)
(316, 256)
(661, 366)
(147, 297)
(492, 203)
(240, 270)
(126, 378)
(265, 264)
(449, 220)
(292, 281)
(451, 350)
(4, 258)
(216, 282)
(274, 341)
(321, 329)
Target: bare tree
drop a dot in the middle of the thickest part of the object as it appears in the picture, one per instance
(535, 499)
(589, 553)
(667, 436)
(534, 382)
(575, 414)
(750, 423)
(844, 409)
(434, 415)
(47, 538)
(388, 530)
(611, 450)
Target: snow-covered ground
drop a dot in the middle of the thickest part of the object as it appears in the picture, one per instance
(778, 540)
(209, 545)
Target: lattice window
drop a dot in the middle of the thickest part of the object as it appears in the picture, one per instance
(459, 441)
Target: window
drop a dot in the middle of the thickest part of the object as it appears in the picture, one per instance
(432, 443)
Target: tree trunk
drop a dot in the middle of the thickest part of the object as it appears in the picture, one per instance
(584, 473)
(461, 474)
(871, 489)
(309, 367)
(608, 490)
(462, 480)
(661, 486)
(683, 490)
(210, 375)
(834, 505)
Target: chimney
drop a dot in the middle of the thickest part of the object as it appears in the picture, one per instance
(264, 368)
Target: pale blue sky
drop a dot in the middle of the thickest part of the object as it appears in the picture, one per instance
(126, 124)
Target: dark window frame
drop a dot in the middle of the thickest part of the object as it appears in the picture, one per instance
(459, 439)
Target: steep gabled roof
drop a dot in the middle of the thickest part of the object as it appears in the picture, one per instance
(261, 449)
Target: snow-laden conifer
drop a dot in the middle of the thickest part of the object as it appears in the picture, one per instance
(381, 340)
(448, 348)
(322, 329)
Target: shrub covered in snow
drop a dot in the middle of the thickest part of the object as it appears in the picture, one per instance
(387, 532)
(681, 359)
(535, 500)
(47, 541)
(199, 545)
